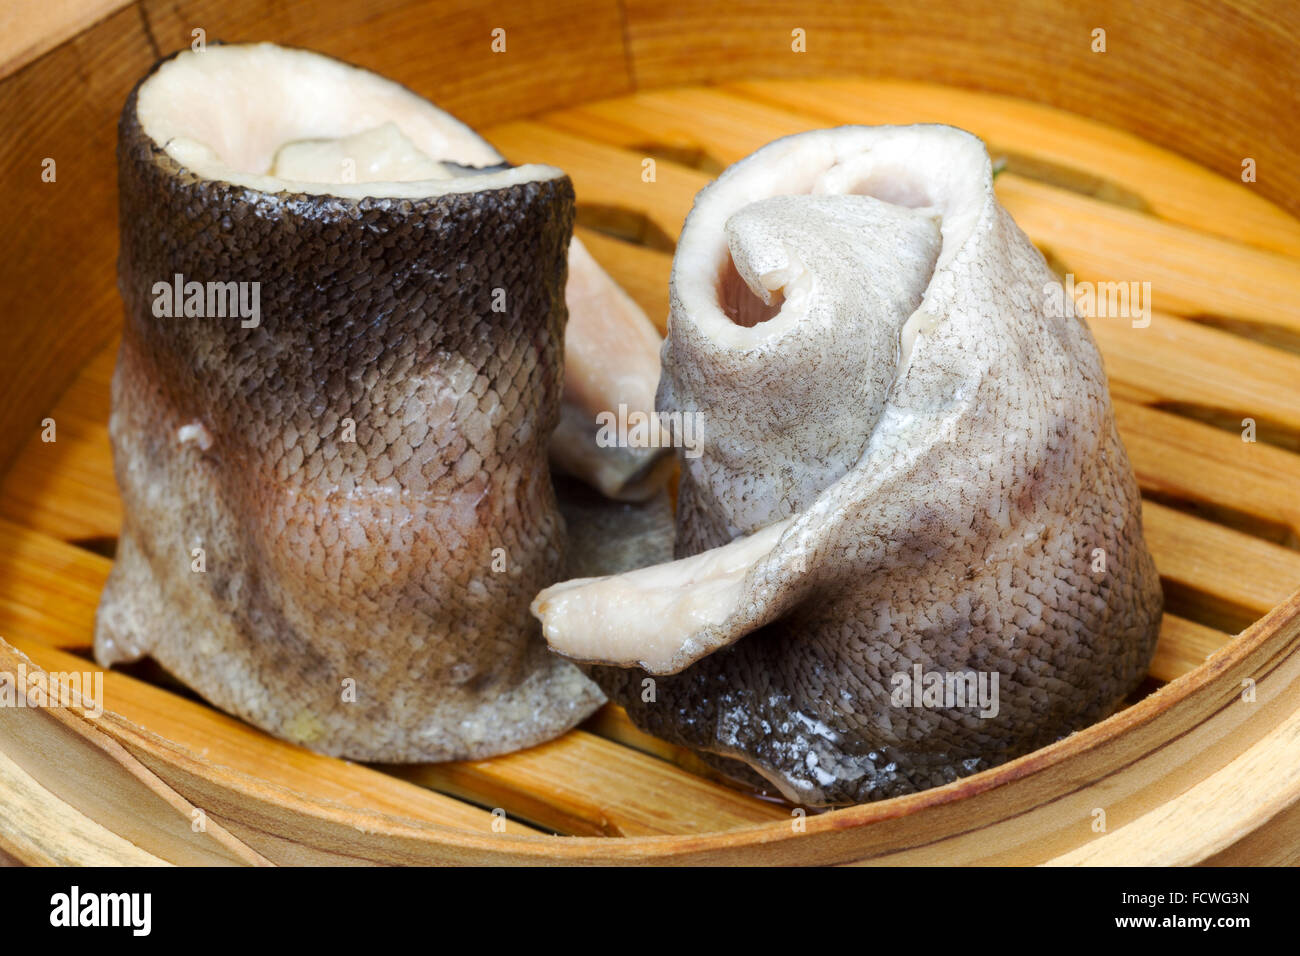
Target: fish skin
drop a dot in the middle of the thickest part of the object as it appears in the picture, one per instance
(848, 330)
(611, 354)
(962, 538)
(325, 559)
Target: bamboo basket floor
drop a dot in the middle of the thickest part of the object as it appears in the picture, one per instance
(1199, 766)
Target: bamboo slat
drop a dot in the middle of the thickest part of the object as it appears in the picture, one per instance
(48, 589)
(1249, 485)
(582, 784)
(1160, 836)
(1170, 187)
(1202, 369)
(1183, 646)
(1098, 239)
(29, 28)
(620, 791)
(39, 829)
(1028, 811)
(1201, 80)
(64, 774)
(1214, 574)
(158, 715)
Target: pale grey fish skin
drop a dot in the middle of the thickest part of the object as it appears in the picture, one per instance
(847, 336)
(955, 525)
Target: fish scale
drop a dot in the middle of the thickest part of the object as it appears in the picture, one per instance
(775, 644)
(329, 560)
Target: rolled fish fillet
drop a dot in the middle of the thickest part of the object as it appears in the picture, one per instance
(911, 547)
(340, 370)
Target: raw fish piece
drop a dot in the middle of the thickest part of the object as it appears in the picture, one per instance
(910, 472)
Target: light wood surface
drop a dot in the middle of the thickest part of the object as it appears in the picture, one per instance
(1189, 773)
(30, 28)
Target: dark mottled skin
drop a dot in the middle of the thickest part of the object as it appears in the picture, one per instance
(963, 539)
(328, 559)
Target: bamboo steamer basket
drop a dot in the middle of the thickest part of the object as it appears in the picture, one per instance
(1125, 164)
